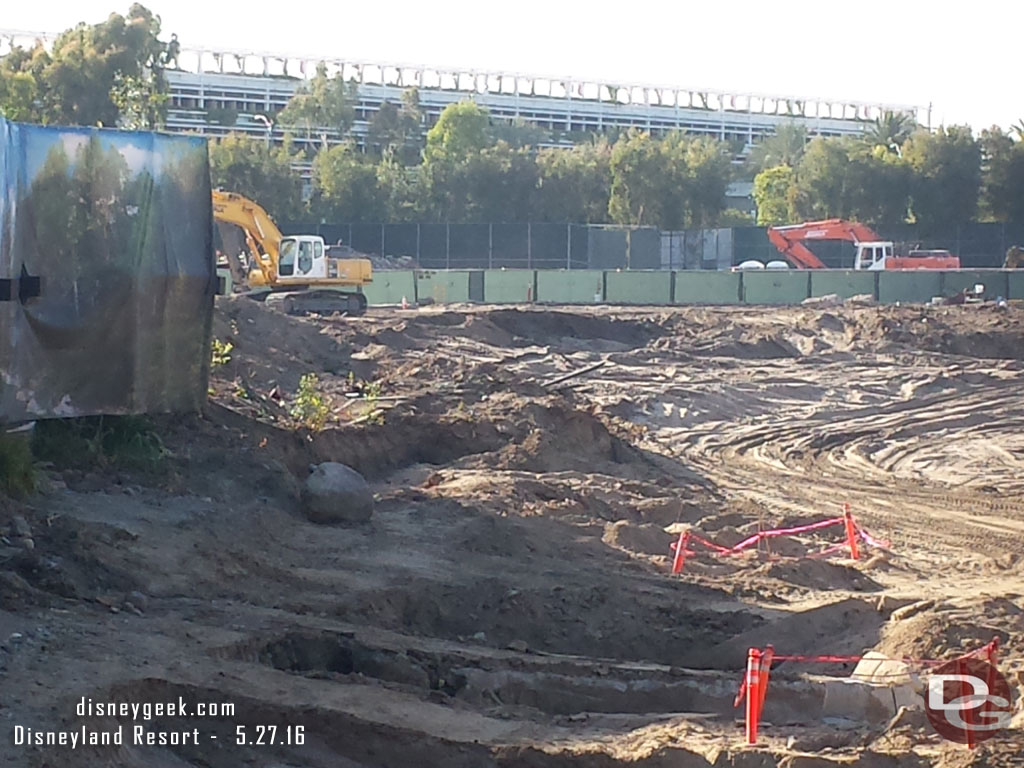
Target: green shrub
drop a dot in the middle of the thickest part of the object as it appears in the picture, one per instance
(17, 477)
(117, 442)
(310, 408)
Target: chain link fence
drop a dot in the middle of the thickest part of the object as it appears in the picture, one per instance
(519, 245)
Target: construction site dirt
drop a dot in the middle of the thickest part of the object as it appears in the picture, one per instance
(510, 603)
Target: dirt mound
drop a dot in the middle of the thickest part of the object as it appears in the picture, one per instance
(642, 539)
(561, 439)
(269, 348)
(766, 347)
(817, 574)
(543, 326)
(845, 627)
(946, 631)
(375, 450)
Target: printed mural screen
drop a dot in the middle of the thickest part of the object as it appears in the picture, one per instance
(106, 272)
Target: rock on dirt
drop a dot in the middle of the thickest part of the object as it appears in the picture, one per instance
(336, 493)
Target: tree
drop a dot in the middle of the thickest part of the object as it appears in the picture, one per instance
(396, 129)
(889, 130)
(500, 182)
(259, 171)
(462, 129)
(519, 133)
(18, 94)
(346, 186)
(709, 171)
(772, 194)
(574, 184)
(461, 133)
(878, 186)
(822, 189)
(96, 73)
(1002, 197)
(324, 104)
(396, 182)
(946, 178)
(785, 147)
(638, 180)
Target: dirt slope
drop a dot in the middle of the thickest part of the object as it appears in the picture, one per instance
(509, 604)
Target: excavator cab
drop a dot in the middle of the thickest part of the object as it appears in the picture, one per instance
(301, 258)
(872, 255)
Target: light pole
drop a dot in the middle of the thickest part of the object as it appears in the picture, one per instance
(267, 123)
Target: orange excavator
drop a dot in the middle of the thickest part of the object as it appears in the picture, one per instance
(872, 252)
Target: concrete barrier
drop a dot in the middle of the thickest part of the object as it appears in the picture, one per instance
(706, 287)
(510, 286)
(443, 287)
(638, 287)
(578, 286)
(389, 287)
(909, 286)
(776, 286)
(994, 280)
(844, 283)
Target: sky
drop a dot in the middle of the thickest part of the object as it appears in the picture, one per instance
(965, 63)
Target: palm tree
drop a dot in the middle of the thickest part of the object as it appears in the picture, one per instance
(1018, 129)
(785, 147)
(889, 130)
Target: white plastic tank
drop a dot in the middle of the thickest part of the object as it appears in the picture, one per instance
(751, 264)
(778, 265)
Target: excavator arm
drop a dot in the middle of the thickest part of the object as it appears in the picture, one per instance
(262, 236)
(1014, 258)
(790, 239)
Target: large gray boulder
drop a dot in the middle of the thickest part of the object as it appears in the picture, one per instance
(335, 493)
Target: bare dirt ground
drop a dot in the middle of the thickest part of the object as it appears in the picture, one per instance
(510, 602)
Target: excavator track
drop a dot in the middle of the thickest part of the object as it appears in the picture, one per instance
(318, 302)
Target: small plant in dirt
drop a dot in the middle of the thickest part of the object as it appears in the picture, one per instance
(220, 353)
(310, 408)
(104, 442)
(17, 477)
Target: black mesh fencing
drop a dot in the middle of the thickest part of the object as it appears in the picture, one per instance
(516, 245)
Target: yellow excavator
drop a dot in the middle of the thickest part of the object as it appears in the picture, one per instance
(293, 271)
(1014, 258)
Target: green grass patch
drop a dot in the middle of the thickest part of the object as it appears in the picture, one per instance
(105, 442)
(17, 476)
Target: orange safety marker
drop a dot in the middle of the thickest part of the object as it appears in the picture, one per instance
(680, 557)
(766, 666)
(851, 532)
(754, 697)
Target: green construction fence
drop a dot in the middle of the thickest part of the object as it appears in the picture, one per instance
(843, 283)
(638, 287)
(443, 286)
(706, 287)
(391, 287)
(650, 287)
(776, 286)
(578, 286)
(510, 286)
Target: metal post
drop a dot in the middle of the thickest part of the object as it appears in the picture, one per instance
(350, 235)
(447, 245)
(382, 240)
(529, 245)
(568, 246)
(490, 245)
(418, 244)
